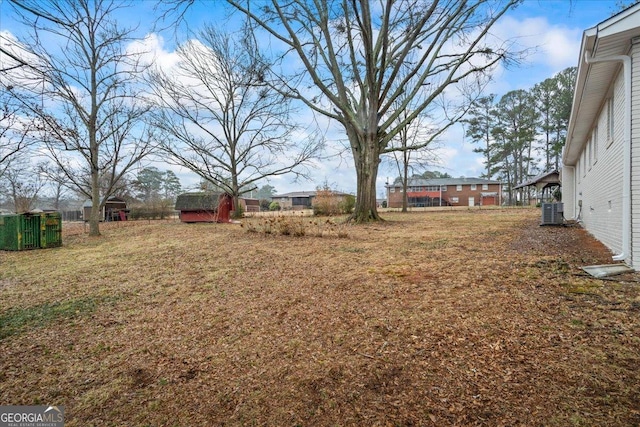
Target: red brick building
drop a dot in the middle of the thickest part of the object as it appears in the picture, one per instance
(446, 192)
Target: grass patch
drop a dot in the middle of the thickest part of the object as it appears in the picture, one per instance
(17, 320)
(435, 244)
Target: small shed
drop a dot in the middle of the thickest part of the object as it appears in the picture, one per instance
(115, 209)
(250, 205)
(204, 207)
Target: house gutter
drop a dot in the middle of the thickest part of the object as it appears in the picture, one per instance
(575, 190)
(626, 165)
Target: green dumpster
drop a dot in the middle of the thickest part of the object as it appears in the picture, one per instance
(30, 231)
(50, 230)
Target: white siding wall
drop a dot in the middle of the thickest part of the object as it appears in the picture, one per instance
(599, 184)
(635, 156)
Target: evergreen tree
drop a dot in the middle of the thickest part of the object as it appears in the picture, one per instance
(480, 125)
(171, 186)
(514, 137)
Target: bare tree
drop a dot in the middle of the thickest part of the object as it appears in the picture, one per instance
(408, 151)
(220, 119)
(83, 91)
(353, 51)
(412, 147)
(58, 183)
(22, 182)
(14, 126)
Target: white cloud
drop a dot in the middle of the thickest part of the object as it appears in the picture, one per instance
(152, 51)
(16, 74)
(554, 47)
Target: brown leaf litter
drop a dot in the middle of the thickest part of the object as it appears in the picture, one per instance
(429, 319)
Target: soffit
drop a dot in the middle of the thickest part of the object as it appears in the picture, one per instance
(594, 81)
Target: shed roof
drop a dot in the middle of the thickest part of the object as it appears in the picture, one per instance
(542, 180)
(197, 201)
(112, 199)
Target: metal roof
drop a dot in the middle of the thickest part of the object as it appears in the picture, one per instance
(197, 201)
(546, 178)
(612, 36)
(112, 199)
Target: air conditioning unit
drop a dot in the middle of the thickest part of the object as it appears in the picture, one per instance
(552, 214)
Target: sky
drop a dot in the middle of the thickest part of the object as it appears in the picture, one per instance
(552, 28)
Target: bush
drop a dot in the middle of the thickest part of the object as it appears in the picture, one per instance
(147, 212)
(264, 204)
(326, 203)
(347, 204)
(274, 206)
(238, 212)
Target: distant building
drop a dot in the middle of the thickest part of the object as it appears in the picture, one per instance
(114, 209)
(204, 207)
(249, 205)
(446, 192)
(298, 200)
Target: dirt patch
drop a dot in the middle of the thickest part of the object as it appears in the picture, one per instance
(448, 318)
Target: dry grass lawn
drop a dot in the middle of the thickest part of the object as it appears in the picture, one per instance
(429, 319)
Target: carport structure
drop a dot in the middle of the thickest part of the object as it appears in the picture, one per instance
(545, 185)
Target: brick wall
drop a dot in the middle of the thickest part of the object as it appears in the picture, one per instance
(463, 196)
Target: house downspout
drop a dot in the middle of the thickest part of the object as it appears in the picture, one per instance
(575, 192)
(626, 165)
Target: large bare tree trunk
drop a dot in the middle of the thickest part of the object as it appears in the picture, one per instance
(366, 163)
(94, 218)
(405, 172)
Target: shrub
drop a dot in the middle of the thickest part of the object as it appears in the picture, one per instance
(238, 212)
(274, 206)
(147, 212)
(264, 204)
(347, 204)
(284, 226)
(295, 226)
(326, 203)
